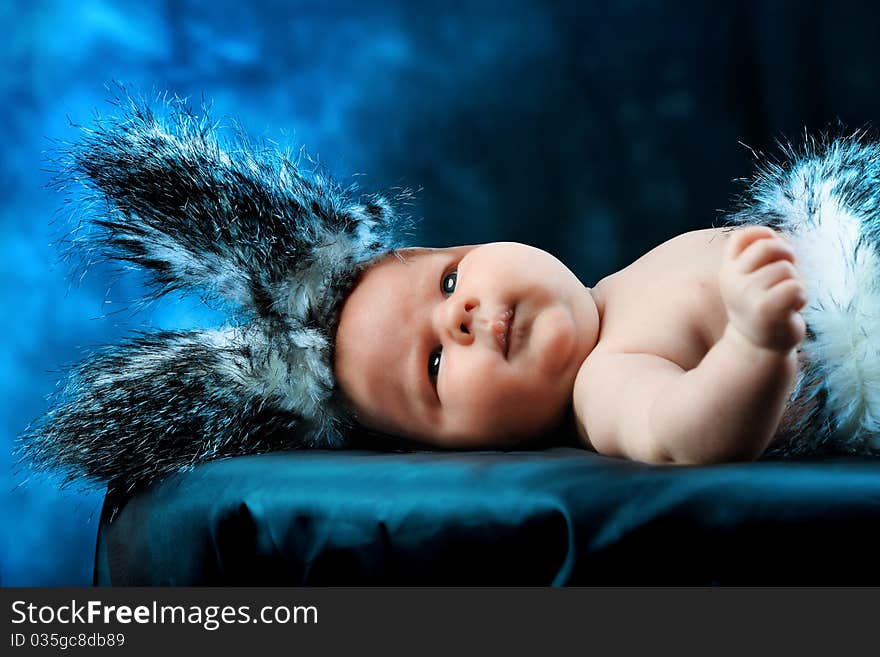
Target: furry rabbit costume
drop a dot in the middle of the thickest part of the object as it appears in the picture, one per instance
(826, 199)
(234, 221)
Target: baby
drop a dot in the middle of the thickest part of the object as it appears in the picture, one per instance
(685, 356)
(703, 350)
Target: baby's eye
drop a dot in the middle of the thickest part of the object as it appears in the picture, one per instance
(448, 284)
(434, 363)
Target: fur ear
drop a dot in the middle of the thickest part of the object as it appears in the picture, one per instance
(164, 402)
(233, 219)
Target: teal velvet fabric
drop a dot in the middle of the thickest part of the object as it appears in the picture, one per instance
(550, 517)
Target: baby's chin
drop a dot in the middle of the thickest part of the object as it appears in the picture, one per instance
(560, 341)
(554, 341)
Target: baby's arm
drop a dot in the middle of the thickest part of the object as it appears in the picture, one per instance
(647, 408)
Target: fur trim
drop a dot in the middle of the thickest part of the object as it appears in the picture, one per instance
(826, 200)
(235, 221)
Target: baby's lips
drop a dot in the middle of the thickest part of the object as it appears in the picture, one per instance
(501, 330)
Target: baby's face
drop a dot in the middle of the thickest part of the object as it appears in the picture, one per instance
(471, 346)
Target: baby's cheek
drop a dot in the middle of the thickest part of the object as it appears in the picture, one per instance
(486, 396)
(508, 406)
(473, 389)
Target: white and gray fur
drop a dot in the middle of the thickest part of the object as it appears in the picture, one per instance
(232, 220)
(825, 197)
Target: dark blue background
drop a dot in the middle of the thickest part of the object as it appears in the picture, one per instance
(593, 130)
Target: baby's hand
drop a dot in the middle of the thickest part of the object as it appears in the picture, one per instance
(762, 289)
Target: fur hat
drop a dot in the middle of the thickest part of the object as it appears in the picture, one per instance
(235, 221)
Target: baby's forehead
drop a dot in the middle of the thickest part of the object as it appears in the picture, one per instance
(379, 340)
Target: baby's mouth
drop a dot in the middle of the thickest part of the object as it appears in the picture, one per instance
(501, 330)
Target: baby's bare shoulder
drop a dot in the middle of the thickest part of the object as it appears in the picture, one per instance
(667, 303)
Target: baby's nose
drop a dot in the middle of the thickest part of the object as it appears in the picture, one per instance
(460, 319)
